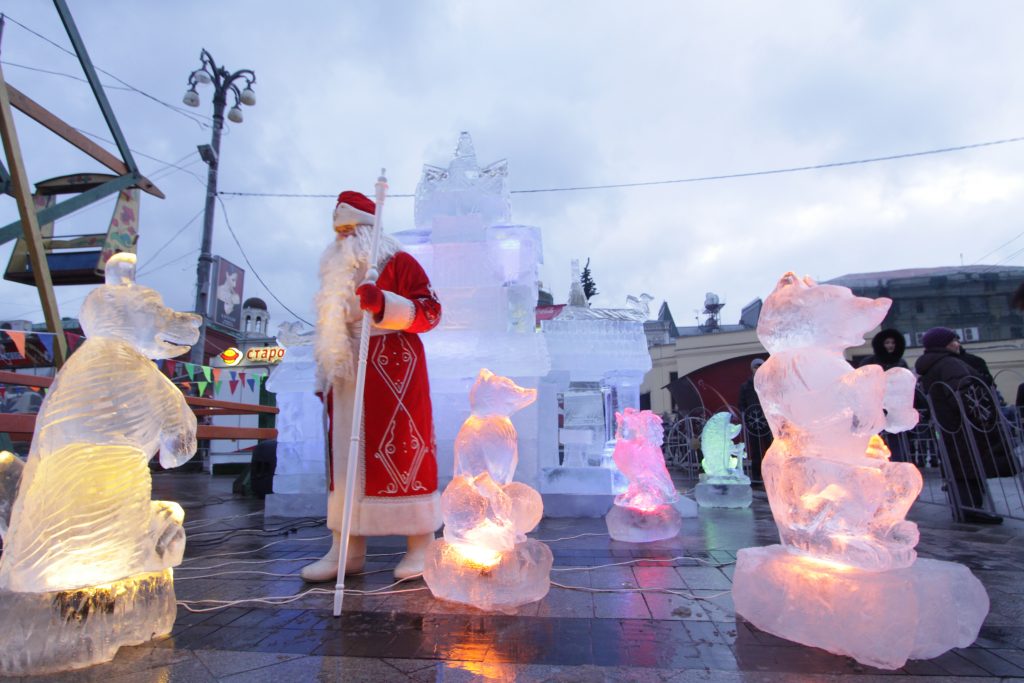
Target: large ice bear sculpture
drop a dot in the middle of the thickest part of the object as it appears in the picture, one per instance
(83, 518)
(847, 577)
(833, 491)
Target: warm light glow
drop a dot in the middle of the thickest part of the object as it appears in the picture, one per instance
(820, 564)
(6, 457)
(645, 509)
(831, 493)
(477, 556)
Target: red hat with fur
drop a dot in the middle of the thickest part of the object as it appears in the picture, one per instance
(357, 200)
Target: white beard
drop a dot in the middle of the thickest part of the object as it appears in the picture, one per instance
(342, 269)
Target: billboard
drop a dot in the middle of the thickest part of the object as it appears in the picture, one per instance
(225, 307)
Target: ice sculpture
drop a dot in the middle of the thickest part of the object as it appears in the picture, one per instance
(722, 484)
(87, 559)
(598, 359)
(485, 270)
(485, 559)
(645, 512)
(845, 577)
(300, 480)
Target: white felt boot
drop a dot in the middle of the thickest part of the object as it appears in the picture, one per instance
(415, 556)
(326, 568)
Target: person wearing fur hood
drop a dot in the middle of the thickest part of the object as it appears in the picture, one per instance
(396, 486)
(889, 346)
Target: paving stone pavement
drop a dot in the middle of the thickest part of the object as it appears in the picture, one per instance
(576, 633)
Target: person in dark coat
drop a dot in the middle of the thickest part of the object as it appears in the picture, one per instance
(889, 346)
(755, 427)
(940, 364)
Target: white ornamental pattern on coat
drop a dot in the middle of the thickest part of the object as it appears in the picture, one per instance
(397, 367)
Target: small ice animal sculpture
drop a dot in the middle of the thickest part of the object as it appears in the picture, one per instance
(722, 456)
(846, 578)
(485, 558)
(832, 489)
(638, 438)
(645, 511)
(722, 484)
(84, 535)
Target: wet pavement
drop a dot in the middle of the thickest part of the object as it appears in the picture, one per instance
(616, 611)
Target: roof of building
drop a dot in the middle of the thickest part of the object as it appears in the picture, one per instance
(880, 278)
(253, 302)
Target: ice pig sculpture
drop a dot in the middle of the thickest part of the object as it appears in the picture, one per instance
(87, 559)
(485, 559)
(846, 577)
(722, 484)
(645, 512)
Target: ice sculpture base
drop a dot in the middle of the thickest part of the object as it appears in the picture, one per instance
(63, 630)
(723, 493)
(520, 576)
(879, 618)
(639, 526)
(586, 491)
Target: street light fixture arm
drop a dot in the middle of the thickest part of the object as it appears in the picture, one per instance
(223, 81)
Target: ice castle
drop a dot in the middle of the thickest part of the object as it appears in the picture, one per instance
(586, 364)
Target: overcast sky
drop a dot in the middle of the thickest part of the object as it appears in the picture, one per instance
(571, 93)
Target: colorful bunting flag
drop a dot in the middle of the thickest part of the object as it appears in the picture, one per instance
(233, 383)
(252, 383)
(206, 372)
(170, 366)
(202, 386)
(18, 337)
(191, 370)
(46, 340)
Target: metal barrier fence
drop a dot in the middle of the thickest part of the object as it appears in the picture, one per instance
(980, 448)
(968, 448)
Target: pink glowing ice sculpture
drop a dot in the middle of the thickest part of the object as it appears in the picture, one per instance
(645, 512)
(846, 577)
(485, 559)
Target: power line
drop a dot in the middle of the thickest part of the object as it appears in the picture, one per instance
(61, 73)
(168, 263)
(697, 179)
(195, 118)
(252, 268)
(1014, 239)
(172, 238)
(166, 164)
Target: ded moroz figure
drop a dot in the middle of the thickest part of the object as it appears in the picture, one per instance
(396, 481)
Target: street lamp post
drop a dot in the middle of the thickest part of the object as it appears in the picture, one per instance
(223, 82)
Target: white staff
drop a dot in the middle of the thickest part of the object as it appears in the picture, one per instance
(380, 189)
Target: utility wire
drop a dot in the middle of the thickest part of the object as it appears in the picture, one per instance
(697, 179)
(166, 164)
(1014, 239)
(61, 73)
(168, 242)
(201, 121)
(252, 268)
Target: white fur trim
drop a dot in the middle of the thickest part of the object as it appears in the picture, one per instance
(399, 312)
(398, 516)
(346, 214)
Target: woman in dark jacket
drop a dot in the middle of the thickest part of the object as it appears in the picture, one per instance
(889, 346)
(941, 365)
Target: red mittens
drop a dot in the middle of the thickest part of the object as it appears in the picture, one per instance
(371, 298)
